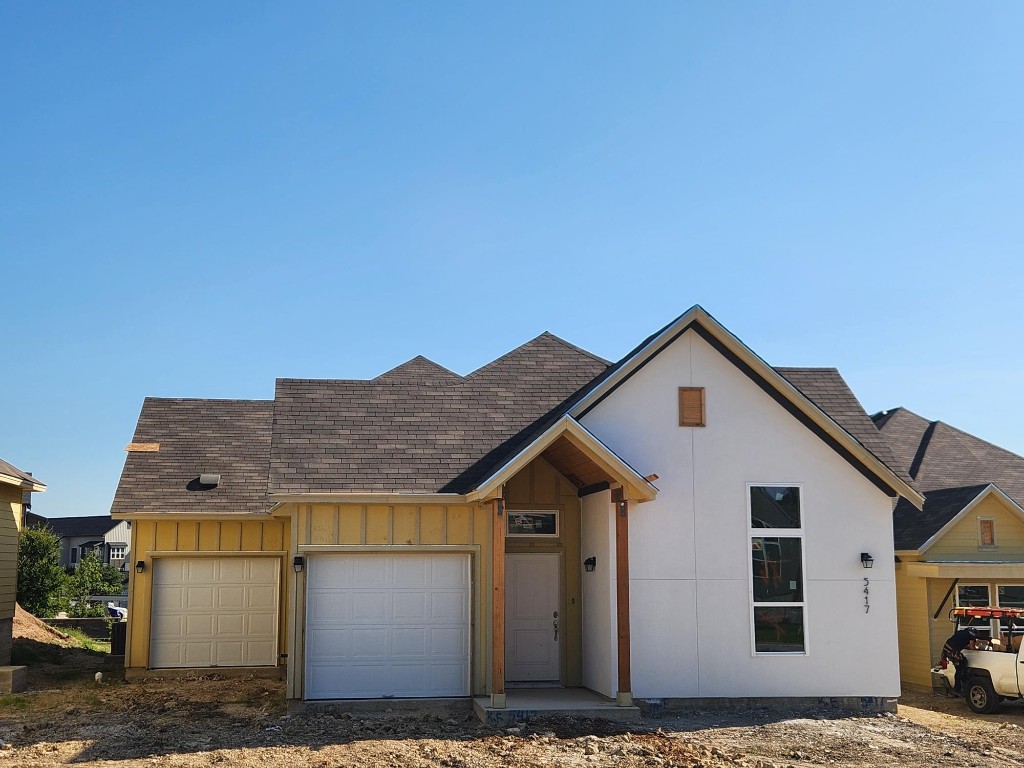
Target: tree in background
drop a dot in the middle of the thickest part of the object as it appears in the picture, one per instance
(92, 577)
(41, 579)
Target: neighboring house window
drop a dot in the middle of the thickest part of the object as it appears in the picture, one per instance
(74, 555)
(777, 569)
(975, 595)
(986, 533)
(691, 406)
(1010, 596)
(117, 553)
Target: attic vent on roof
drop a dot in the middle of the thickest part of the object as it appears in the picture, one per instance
(691, 407)
(209, 479)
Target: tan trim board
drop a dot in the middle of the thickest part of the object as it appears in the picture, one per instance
(214, 553)
(966, 570)
(383, 549)
(35, 487)
(367, 498)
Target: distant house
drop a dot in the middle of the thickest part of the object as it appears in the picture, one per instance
(16, 489)
(101, 534)
(965, 547)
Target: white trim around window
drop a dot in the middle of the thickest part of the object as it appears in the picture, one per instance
(797, 534)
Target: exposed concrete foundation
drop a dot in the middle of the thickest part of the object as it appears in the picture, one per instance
(435, 706)
(532, 703)
(863, 704)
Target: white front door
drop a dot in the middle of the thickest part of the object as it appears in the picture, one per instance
(531, 617)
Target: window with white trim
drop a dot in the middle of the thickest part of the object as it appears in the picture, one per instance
(1010, 596)
(777, 569)
(968, 595)
(118, 553)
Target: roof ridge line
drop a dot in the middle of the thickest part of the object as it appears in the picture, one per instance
(576, 348)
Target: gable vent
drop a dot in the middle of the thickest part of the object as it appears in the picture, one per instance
(691, 407)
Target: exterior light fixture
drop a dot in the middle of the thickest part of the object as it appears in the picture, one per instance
(866, 560)
(140, 566)
(590, 564)
(297, 563)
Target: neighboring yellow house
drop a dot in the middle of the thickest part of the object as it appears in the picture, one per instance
(965, 547)
(15, 485)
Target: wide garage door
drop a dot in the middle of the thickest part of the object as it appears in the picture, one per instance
(387, 625)
(214, 612)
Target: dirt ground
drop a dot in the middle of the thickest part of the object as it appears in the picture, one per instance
(67, 717)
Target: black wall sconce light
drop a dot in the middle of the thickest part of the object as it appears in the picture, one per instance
(297, 563)
(866, 560)
(590, 564)
(140, 566)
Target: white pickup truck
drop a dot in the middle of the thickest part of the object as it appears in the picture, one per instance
(997, 673)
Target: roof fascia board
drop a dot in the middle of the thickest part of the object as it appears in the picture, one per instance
(25, 485)
(367, 498)
(585, 440)
(984, 493)
(772, 382)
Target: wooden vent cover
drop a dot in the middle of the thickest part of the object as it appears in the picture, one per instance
(691, 406)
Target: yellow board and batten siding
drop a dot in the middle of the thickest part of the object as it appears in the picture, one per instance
(919, 598)
(151, 539)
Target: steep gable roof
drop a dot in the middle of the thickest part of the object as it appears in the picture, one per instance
(226, 437)
(818, 418)
(913, 527)
(945, 462)
(399, 434)
(419, 370)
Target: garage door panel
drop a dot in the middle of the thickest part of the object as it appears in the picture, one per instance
(201, 618)
(199, 569)
(198, 597)
(399, 627)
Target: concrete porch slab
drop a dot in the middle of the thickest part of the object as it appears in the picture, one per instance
(531, 703)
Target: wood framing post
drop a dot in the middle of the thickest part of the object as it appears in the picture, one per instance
(624, 696)
(498, 604)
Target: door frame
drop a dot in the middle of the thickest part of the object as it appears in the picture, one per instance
(559, 555)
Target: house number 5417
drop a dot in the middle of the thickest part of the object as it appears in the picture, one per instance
(867, 594)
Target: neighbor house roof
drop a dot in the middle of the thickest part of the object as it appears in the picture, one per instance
(84, 525)
(226, 437)
(949, 466)
(419, 428)
(11, 475)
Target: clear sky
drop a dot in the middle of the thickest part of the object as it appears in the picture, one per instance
(196, 198)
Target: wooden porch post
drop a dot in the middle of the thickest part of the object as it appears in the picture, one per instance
(498, 604)
(624, 696)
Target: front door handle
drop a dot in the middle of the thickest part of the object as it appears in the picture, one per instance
(554, 623)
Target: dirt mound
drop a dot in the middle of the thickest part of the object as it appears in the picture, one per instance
(28, 627)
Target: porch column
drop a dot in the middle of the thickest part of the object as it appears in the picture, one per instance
(498, 604)
(624, 696)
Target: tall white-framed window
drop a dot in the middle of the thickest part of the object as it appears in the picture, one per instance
(777, 600)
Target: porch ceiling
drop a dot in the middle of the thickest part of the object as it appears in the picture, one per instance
(578, 468)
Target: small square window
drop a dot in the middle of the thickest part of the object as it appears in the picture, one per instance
(691, 407)
(986, 533)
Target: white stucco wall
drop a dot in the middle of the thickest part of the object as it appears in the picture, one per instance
(600, 649)
(690, 566)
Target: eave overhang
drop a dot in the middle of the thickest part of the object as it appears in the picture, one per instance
(602, 460)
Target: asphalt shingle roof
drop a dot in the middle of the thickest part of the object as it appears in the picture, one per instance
(226, 437)
(418, 428)
(941, 458)
(7, 468)
(84, 525)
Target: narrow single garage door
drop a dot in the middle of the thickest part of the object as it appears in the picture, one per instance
(387, 625)
(214, 612)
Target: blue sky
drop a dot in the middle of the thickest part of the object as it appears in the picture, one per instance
(200, 197)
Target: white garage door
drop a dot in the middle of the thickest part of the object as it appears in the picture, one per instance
(387, 625)
(214, 612)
